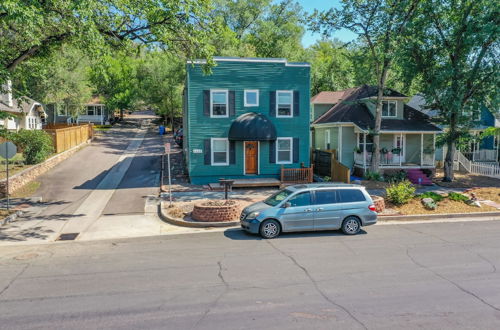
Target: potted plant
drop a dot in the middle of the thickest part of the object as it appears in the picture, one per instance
(384, 151)
(357, 150)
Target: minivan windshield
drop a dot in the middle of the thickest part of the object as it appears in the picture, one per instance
(278, 197)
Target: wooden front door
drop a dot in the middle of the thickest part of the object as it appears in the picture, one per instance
(251, 157)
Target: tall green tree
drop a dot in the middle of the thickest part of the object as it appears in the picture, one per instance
(161, 77)
(115, 78)
(456, 53)
(331, 66)
(380, 26)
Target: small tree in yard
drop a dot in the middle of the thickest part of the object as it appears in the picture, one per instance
(36, 145)
(380, 26)
(456, 55)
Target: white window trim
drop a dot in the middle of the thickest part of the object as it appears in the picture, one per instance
(291, 103)
(291, 150)
(212, 152)
(327, 138)
(212, 103)
(245, 97)
(395, 108)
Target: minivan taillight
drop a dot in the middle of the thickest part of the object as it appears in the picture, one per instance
(372, 208)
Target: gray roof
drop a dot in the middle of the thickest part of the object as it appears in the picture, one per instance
(350, 111)
(22, 105)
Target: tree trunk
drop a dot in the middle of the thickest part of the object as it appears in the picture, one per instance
(374, 168)
(448, 162)
(121, 114)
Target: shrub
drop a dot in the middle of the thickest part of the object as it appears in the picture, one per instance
(430, 194)
(400, 193)
(429, 203)
(36, 145)
(396, 177)
(457, 197)
(372, 176)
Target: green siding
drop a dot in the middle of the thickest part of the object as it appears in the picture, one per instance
(238, 76)
(349, 142)
(319, 140)
(319, 109)
(387, 141)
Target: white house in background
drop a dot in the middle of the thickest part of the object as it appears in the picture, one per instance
(95, 112)
(26, 112)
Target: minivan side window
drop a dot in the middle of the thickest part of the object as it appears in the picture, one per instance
(302, 199)
(325, 197)
(351, 195)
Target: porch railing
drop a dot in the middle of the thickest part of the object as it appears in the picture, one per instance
(297, 175)
(390, 159)
(482, 155)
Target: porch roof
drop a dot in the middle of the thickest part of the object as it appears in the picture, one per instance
(252, 126)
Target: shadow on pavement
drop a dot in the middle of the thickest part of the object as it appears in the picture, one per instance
(241, 235)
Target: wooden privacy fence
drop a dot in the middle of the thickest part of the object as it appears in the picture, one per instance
(326, 164)
(66, 136)
(297, 175)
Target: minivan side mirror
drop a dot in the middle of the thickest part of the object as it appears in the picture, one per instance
(287, 204)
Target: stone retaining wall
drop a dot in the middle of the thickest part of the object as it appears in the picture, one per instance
(19, 179)
(216, 213)
(379, 203)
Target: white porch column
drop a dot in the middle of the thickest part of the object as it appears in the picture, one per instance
(364, 151)
(401, 150)
(421, 149)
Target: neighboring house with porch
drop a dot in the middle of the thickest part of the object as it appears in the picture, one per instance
(478, 150)
(94, 111)
(343, 120)
(247, 119)
(26, 112)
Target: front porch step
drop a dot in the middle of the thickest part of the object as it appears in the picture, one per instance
(416, 176)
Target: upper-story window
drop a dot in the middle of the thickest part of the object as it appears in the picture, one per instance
(389, 108)
(284, 100)
(218, 103)
(251, 98)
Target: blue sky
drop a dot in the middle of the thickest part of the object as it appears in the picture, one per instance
(309, 6)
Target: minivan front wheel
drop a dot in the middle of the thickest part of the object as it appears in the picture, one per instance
(351, 225)
(270, 229)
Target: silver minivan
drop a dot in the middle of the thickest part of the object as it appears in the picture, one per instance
(311, 207)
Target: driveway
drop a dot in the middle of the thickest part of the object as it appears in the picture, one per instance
(412, 276)
(104, 184)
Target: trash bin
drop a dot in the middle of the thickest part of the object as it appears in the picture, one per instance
(162, 130)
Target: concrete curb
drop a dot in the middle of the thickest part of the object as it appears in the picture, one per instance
(173, 221)
(417, 217)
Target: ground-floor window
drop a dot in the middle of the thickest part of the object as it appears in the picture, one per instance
(369, 142)
(220, 151)
(94, 110)
(284, 150)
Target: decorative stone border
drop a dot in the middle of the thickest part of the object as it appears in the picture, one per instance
(193, 224)
(19, 179)
(216, 213)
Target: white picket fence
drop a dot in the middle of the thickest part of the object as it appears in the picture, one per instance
(491, 170)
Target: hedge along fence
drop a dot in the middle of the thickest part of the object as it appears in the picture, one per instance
(67, 136)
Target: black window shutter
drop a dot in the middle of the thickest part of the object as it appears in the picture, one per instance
(272, 104)
(296, 103)
(295, 150)
(231, 103)
(232, 152)
(206, 103)
(208, 156)
(272, 152)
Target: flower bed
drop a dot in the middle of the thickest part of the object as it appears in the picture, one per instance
(216, 211)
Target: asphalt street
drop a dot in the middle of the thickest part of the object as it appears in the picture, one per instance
(411, 276)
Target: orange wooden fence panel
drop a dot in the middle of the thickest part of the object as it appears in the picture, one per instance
(66, 136)
(297, 175)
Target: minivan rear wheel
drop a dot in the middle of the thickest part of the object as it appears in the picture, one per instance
(270, 229)
(351, 225)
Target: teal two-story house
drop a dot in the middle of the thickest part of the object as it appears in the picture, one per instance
(246, 119)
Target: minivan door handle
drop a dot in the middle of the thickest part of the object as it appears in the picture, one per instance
(319, 209)
(308, 210)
